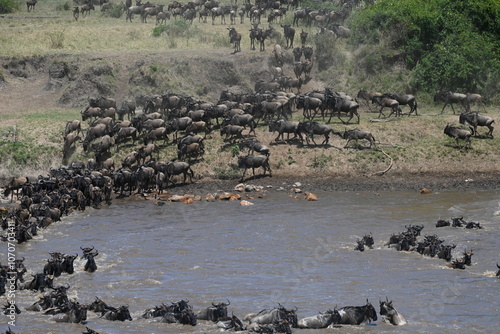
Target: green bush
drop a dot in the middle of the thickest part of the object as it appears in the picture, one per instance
(452, 49)
(8, 6)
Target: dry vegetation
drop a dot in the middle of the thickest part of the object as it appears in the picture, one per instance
(191, 66)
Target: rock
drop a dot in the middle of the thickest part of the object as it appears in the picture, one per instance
(246, 203)
(210, 198)
(296, 190)
(249, 188)
(297, 185)
(227, 196)
(424, 191)
(240, 187)
(311, 196)
(176, 198)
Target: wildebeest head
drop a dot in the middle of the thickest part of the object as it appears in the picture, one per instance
(385, 306)
(468, 257)
(361, 245)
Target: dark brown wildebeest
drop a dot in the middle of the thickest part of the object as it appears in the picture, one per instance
(174, 168)
(457, 133)
(188, 151)
(303, 37)
(69, 140)
(231, 131)
(124, 133)
(156, 134)
(450, 98)
(76, 12)
(473, 120)
(14, 185)
(283, 126)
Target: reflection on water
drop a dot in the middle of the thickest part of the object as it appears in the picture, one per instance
(281, 250)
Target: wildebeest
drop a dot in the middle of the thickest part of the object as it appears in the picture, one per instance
(321, 320)
(241, 120)
(314, 128)
(457, 133)
(405, 99)
(254, 161)
(185, 317)
(67, 263)
(309, 104)
(289, 33)
(15, 184)
(71, 126)
(283, 126)
(368, 240)
(86, 8)
(387, 102)
(356, 315)
(473, 120)
(498, 272)
(467, 259)
(76, 314)
(474, 98)
(390, 314)
(235, 39)
(117, 314)
(30, 4)
(272, 316)
(450, 98)
(367, 96)
(173, 168)
(360, 245)
(341, 31)
(254, 146)
(89, 254)
(187, 151)
(303, 37)
(45, 302)
(356, 134)
(125, 133)
(214, 313)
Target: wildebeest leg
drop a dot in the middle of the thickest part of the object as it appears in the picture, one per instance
(244, 172)
(381, 113)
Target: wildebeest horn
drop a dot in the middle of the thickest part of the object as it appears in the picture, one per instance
(228, 302)
(498, 266)
(68, 286)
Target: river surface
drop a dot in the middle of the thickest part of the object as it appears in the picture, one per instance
(280, 250)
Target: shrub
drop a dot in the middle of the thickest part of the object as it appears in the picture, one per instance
(8, 6)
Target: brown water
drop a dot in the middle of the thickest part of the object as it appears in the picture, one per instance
(281, 250)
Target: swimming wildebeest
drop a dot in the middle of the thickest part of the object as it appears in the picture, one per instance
(214, 313)
(457, 133)
(76, 314)
(275, 315)
(390, 314)
(473, 120)
(89, 254)
(321, 320)
(254, 161)
(117, 314)
(356, 315)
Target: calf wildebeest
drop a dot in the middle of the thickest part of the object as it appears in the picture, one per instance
(356, 134)
(450, 98)
(254, 161)
(117, 314)
(457, 133)
(214, 313)
(314, 128)
(15, 184)
(390, 314)
(473, 120)
(235, 39)
(356, 315)
(30, 4)
(76, 314)
(321, 320)
(386, 102)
